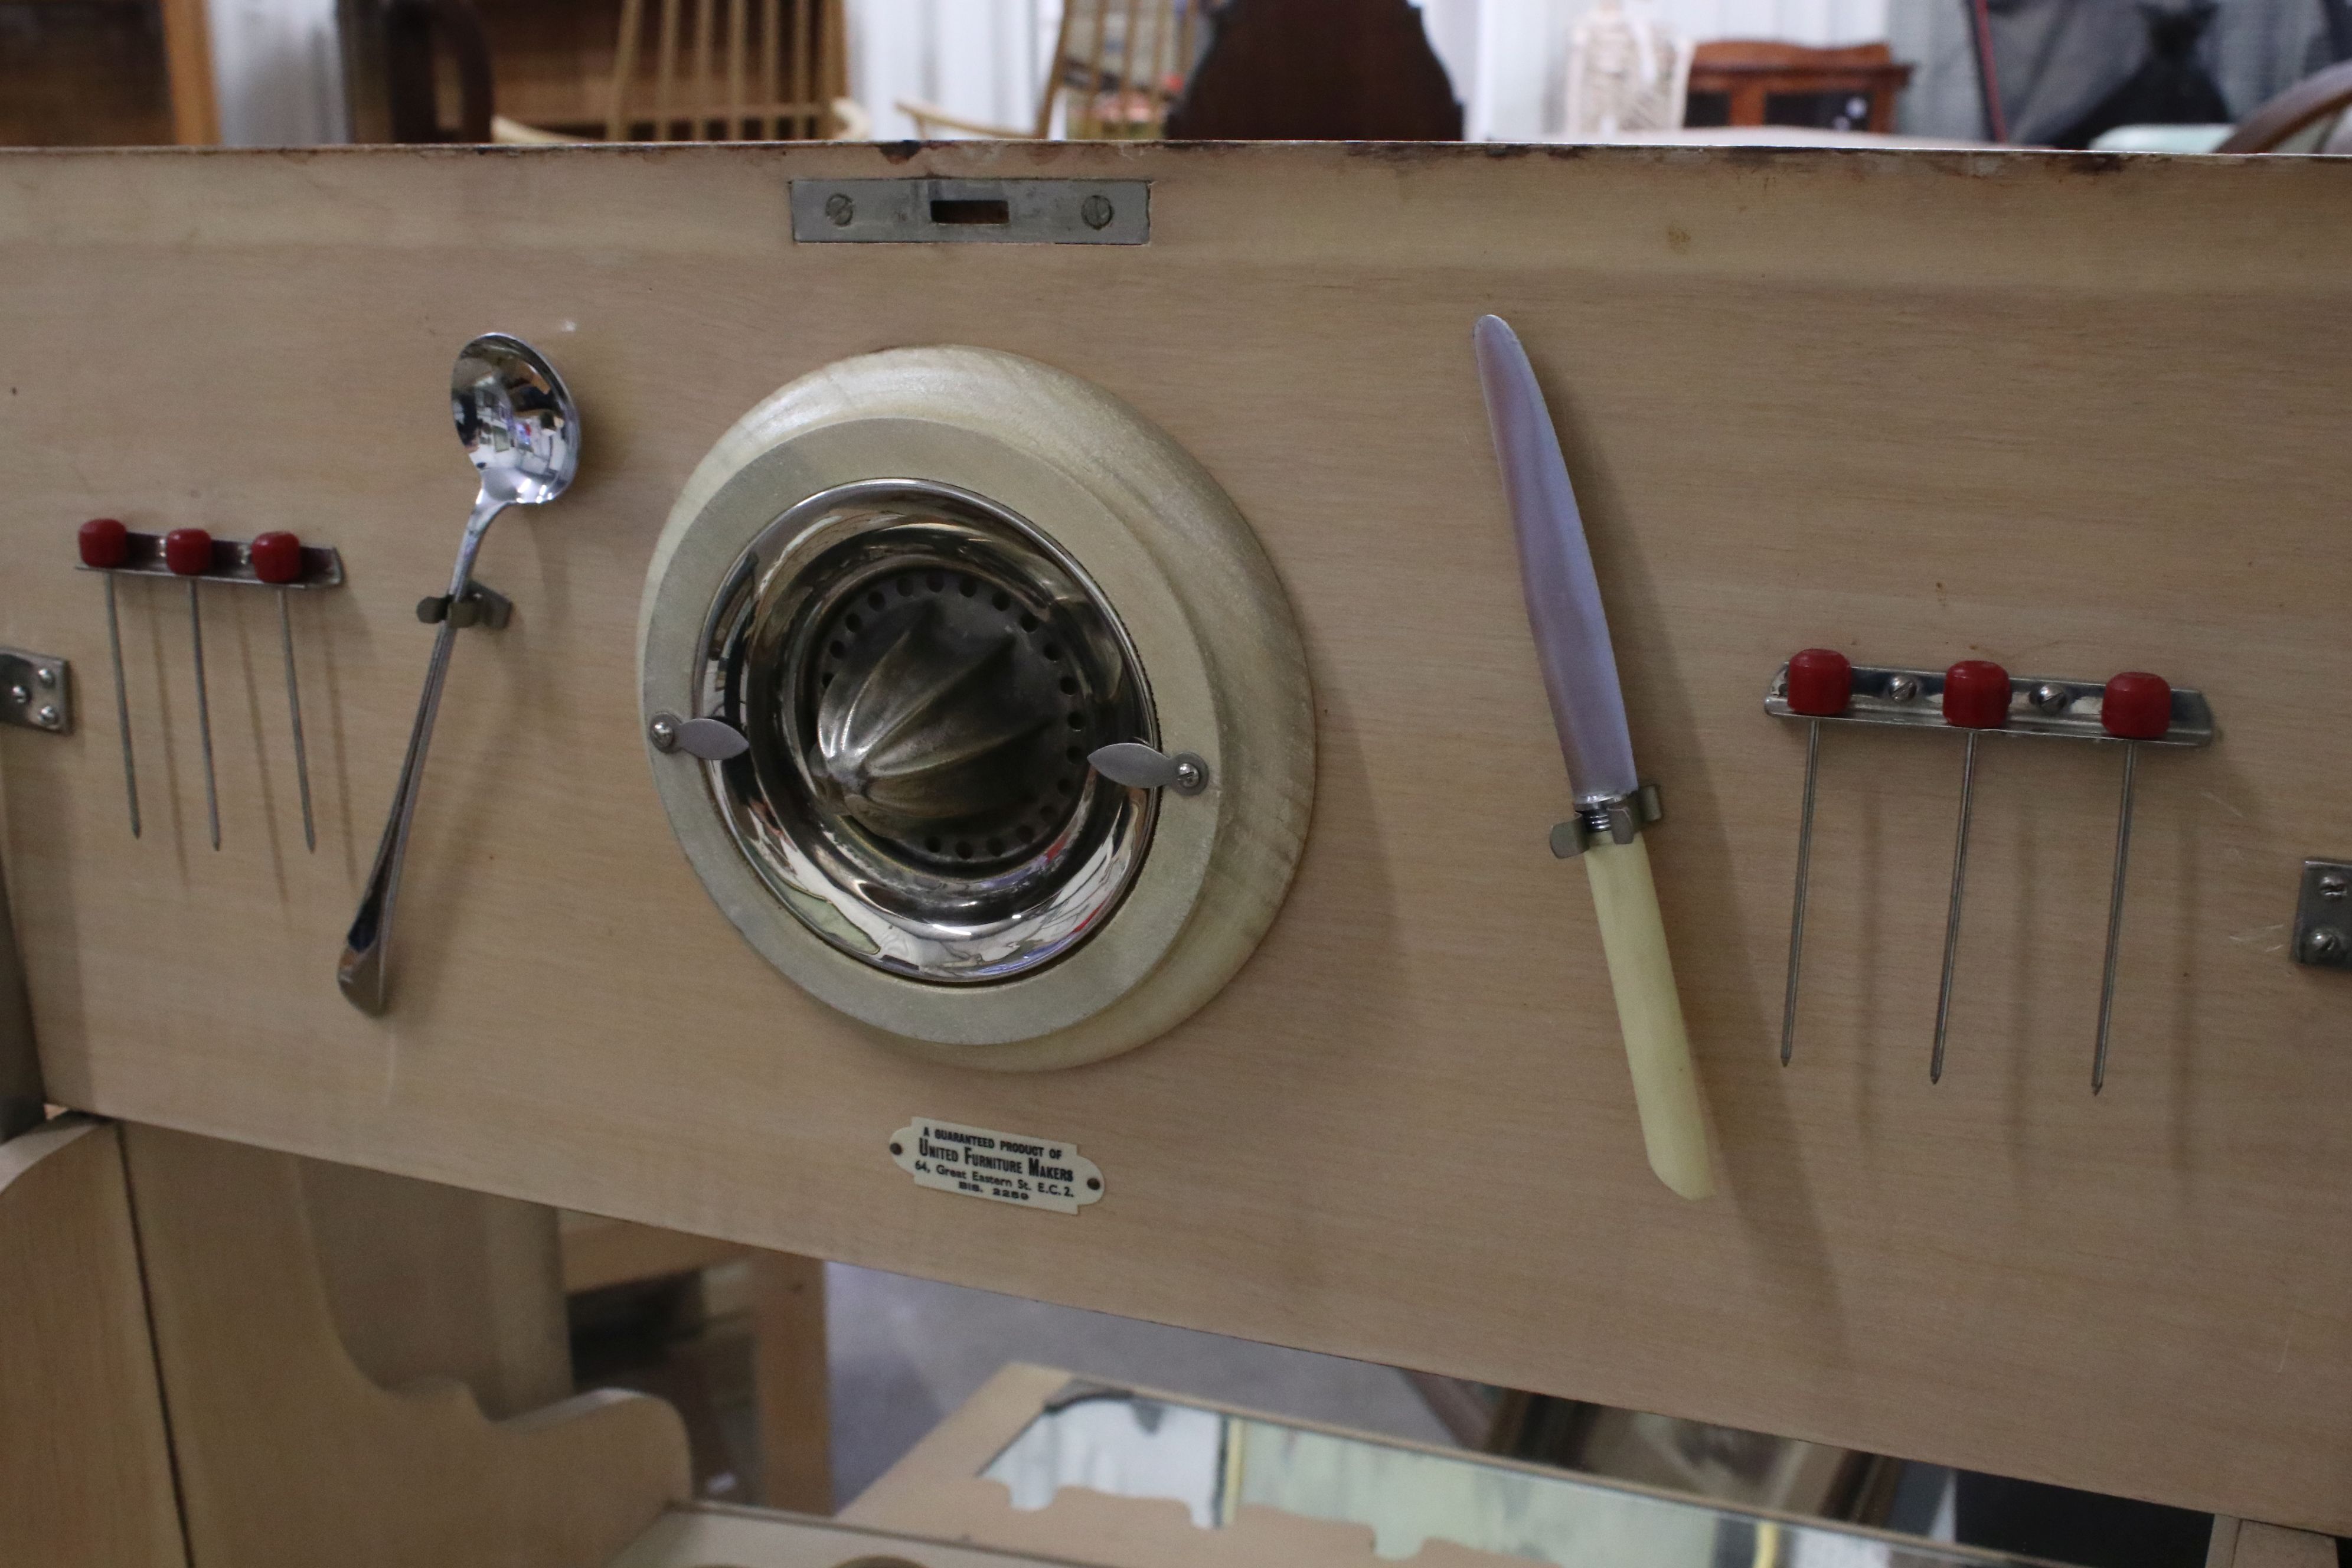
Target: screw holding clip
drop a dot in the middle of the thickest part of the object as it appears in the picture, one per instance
(2137, 707)
(276, 559)
(1976, 699)
(105, 548)
(1821, 685)
(188, 551)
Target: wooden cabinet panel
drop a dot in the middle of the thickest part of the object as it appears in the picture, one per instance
(2078, 415)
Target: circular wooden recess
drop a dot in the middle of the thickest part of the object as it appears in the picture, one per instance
(1185, 576)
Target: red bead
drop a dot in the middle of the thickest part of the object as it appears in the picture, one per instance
(2137, 707)
(1976, 694)
(276, 557)
(188, 551)
(1821, 683)
(105, 543)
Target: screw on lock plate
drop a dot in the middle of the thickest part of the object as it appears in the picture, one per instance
(2322, 915)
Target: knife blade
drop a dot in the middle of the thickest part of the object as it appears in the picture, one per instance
(1588, 708)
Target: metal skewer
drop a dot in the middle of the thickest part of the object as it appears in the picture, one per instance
(188, 551)
(277, 559)
(1976, 699)
(1821, 685)
(2137, 707)
(105, 546)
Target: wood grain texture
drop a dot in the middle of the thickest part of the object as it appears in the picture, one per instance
(85, 1472)
(2076, 415)
(598, 1252)
(287, 1454)
(427, 1280)
(791, 1377)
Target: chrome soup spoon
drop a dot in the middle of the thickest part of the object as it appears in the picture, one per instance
(521, 429)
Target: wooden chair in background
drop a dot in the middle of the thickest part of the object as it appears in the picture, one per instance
(2309, 117)
(117, 75)
(556, 70)
(1742, 81)
(742, 70)
(1117, 66)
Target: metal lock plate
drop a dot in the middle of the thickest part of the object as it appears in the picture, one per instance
(36, 692)
(2322, 915)
(971, 212)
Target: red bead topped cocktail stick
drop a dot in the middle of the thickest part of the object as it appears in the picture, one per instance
(1976, 699)
(188, 551)
(1821, 685)
(2137, 707)
(105, 548)
(277, 559)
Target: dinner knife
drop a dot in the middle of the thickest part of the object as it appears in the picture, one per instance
(1587, 709)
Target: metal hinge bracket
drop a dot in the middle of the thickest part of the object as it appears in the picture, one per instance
(36, 692)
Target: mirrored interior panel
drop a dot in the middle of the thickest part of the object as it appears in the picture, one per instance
(1128, 1445)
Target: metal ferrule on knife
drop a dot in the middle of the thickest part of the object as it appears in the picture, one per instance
(1607, 818)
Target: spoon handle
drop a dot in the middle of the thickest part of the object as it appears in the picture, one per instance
(360, 971)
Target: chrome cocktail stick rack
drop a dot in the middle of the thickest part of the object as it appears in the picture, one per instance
(232, 562)
(2132, 709)
(191, 555)
(2065, 710)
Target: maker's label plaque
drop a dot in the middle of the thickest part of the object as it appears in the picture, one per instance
(1040, 1172)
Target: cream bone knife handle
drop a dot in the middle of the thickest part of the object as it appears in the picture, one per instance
(1657, 1046)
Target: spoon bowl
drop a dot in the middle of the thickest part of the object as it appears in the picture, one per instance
(516, 419)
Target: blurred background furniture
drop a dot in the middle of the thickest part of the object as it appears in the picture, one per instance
(1115, 67)
(1318, 71)
(561, 71)
(2307, 117)
(1747, 81)
(1625, 73)
(99, 73)
(740, 70)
